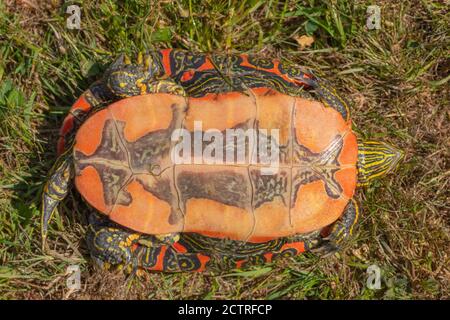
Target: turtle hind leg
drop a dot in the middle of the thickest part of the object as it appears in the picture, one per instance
(111, 245)
(341, 230)
(55, 190)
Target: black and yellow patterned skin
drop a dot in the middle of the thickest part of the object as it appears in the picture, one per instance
(112, 245)
(196, 75)
(375, 159)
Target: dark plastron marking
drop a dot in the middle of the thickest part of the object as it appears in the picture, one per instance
(149, 150)
(232, 146)
(264, 157)
(309, 167)
(110, 160)
(227, 187)
(141, 156)
(163, 189)
(111, 146)
(268, 187)
(120, 162)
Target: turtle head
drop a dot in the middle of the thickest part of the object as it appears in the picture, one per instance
(376, 159)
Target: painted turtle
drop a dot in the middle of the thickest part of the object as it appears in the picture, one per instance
(163, 207)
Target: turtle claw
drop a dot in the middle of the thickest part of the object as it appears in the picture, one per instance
(327, 248)
(100, 264)
(140, 58)
(147, 62)
(126, 60)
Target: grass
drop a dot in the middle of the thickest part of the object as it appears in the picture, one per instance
(396, 78)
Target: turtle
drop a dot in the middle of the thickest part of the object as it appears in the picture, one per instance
(148, 147)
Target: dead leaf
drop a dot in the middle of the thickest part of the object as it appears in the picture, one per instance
(304, 41)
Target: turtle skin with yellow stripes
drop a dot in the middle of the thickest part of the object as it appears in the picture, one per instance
(151, 212)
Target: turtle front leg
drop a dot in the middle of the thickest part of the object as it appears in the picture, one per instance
(127, 78)
(109, 244)
(342, 229)
(55, 190)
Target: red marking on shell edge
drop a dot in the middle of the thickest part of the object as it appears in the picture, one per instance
(187, 75)
(275, 70)
(60, 145)
(268, 256)
(166, 61)
(179, 248)
(240, 263)
(67, 125)
(299, 246)
(159, 265)
(203, 261)
(81, 104)
(246, 63)
(206, 66)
